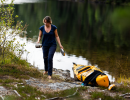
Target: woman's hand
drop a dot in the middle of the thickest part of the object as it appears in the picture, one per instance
(37, 42)
(40, 36)
(61, 46)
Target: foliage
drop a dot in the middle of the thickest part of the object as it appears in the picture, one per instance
(9, 32)
(117, 2)
(121, 19)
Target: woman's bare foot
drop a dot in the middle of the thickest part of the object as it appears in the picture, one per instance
(49, 77)
(45, 73)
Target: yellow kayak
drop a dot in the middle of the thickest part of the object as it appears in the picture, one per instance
(90, 75)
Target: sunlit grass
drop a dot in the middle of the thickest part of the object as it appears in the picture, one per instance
(103, 96)
(122, 79)
(11, 58)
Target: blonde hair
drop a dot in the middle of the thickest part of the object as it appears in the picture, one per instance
(48, 19)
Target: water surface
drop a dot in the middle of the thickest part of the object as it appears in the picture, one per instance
(86, 32)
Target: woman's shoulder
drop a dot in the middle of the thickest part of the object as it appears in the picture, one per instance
(53, 26)
(41, 27)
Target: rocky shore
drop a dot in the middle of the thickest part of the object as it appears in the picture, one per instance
(45, 85)
(60, 81)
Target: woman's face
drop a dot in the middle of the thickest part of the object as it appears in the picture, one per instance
(46, 23)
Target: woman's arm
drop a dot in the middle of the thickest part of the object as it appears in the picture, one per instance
(40, 36)
(58, 39)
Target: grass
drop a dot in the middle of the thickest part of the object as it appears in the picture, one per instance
(11, 97)
(27, 92)
(124, 80)
(102, 88)
(56, 77)
(19, 71)
(13, 59)
(125, 83)
(30, 93)
(17, 67)
(97, 95)
(67, 92)
(122, 89)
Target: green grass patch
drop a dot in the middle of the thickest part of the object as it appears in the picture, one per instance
(29, 92)
(6, 81)
(103, 96)
(83, 88)
(122, 89)
(56, 77)
(13, 59)
(65, 93)
(19, 71)
(102, 88)
(11, 97)
(17, 67)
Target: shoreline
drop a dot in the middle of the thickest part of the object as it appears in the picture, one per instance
(60, 82)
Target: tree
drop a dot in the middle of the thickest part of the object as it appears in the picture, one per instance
(9, 30)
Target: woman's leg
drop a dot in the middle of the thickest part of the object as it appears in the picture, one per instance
(45, 57)
(52, 50)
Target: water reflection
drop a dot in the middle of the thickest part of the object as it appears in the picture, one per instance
(35, 57)
(22, 1)
(86, 31)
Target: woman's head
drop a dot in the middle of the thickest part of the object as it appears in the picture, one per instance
(47, 20)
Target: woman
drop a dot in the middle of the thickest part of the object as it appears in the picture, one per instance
(50, 35)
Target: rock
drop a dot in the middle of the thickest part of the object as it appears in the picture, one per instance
(68, 71)
(54, 69)
(51, 86)
(59, 70)
(64, 74)
(17, 93)
(15, 85)
(4, 91)
(56, 98)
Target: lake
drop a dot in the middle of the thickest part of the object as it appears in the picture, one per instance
(86, 30)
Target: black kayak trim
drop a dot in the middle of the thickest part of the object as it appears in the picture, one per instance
(83, 70)
(92, 78)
